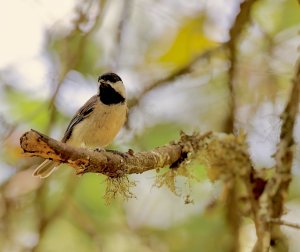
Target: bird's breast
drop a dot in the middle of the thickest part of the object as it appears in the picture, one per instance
(100, 127)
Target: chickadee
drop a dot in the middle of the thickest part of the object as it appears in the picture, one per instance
(97, 122)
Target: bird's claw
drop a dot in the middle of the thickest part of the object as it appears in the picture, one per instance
(99, 149)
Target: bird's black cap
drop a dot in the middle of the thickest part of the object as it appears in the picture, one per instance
(111, 77)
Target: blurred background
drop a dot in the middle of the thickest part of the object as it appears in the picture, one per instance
(173, 58)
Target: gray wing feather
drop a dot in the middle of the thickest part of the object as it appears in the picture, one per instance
(82, 113)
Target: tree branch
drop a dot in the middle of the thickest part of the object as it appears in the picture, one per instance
(110, 163)
(225, 155)
(232, 191)
(272, 200)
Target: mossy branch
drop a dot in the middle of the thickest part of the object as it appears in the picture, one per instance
(110, 163)
(225, 154)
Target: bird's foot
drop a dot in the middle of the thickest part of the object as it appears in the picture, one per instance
(99, 149)
(122, 154)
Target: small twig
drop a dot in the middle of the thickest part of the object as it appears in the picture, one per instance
(285, 223)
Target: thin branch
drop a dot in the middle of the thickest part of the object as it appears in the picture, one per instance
(285, 223)
(174, 75)
(72, 56)
(236, 29)
(231, 187)
(284, 154)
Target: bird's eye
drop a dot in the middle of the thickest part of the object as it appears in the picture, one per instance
(111, 77)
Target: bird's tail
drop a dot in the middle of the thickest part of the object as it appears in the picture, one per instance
(45, 169)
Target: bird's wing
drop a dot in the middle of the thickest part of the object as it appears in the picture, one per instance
(82, 113)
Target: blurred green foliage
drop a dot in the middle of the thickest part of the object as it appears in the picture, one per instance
(24, 108)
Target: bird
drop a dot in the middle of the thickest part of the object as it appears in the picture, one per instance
(97, 122)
